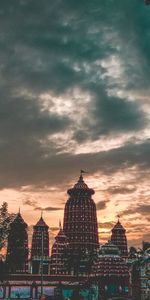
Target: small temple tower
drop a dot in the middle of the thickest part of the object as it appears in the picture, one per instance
(80, 219)
(17, 249)
(40, 247)
(111, 273)
(119, 239)
(59, 254)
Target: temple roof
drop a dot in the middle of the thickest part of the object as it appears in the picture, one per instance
(61, 237)
(110, 263)
(118, 226)
(41, 223)
(80, 186)
(110, 249)
(19, 219)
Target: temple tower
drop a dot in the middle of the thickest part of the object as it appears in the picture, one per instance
(80, 219)
(111, 273)
(40, 247)
(58, 265)
(118, 238)
(17, 249)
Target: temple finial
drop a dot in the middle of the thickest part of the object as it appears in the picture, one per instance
(118, 216)
(59, 224)
(82, 172)
(19, 209)
(41, 213)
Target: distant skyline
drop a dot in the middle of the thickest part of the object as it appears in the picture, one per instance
(74, 94)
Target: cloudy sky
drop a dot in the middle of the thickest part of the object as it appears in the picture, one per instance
(74, 94)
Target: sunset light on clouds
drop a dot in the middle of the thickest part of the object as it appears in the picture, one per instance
(74, 94)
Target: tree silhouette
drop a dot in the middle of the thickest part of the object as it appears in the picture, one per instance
(5, 221)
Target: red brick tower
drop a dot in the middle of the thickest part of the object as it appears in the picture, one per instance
(58, 264)
(40, 238)
(80, 219)
(118, 238)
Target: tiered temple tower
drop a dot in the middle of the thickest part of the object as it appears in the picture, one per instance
(80, 219)
(111, 273)
(17, 249)
(118, 238)
(58, 265)
(40, 247)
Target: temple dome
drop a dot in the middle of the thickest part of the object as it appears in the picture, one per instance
(110, 249)
(79, 187)
(109, 263)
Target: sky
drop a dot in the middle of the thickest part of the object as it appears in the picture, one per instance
(74, 94)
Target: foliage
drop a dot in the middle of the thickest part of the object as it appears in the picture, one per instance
(5, 220)
(79, 260)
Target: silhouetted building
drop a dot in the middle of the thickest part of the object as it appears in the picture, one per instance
(58, 264)
(17, 249)
(80, 219)
(118, 238)
(141, 277)
(111, 272)
(40, 247)
(146, 245)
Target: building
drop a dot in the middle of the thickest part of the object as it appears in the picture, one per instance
(119, 239)
(146, 245)
(40, 247)
(141, 277)
(80, 219)
(58, 263)
(111, 272)
(17, 249)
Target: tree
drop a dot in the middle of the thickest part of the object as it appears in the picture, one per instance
(79, 260)
(5, 220)
(73, 259)
(132, 253)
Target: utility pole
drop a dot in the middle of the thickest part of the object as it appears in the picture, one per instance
(42, 244)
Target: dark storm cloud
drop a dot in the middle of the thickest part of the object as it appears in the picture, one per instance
(110, 115)
(142, 209)
(121, 190)
(42, 166)
(48, 208)
(55, 47)
(21, 118)
(29, 202)
(101, 205)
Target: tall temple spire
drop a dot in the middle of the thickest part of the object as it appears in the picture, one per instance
(17, 249)
(40, 231)
(80, 220)
(118, 238)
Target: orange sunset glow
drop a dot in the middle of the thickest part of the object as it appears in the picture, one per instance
(74, 94)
